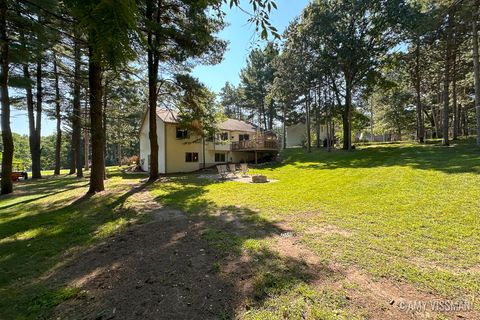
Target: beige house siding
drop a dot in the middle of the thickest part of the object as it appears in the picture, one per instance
(172, 151)
(145, 144)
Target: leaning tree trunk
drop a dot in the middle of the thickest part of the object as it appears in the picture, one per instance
(58, 142)
(419, 107)
(7, 139)
(476, 70)
(77, 113)
(36, 151)
(153, 62)
(96, 123)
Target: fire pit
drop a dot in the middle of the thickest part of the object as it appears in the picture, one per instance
(259, 178)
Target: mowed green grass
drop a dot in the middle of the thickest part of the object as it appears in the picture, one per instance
(402, 211)
(42, 224)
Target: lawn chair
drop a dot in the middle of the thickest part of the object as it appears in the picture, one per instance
(222, 171)
(244, 168)
(232, 168)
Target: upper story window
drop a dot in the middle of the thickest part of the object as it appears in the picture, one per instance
(222, 136)
(243, 137)
(181, 133)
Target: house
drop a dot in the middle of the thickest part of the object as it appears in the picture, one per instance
(296, 135)
(182, 151)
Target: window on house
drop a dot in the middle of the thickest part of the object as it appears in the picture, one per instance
(219, 157)
(223, 136)
(182, 133)
(191, 157)
(243, 137)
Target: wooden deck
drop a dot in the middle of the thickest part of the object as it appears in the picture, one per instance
(255, 145)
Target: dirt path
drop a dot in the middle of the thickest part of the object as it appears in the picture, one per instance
(159, 270)
(165, 269)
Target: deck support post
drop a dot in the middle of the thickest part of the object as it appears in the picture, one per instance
(256, 159)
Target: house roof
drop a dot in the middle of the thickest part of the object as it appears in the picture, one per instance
(237, 125)
(170, 116)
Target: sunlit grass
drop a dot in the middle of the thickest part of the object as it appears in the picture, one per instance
(401, 211)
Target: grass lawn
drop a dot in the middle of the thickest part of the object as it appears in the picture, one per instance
(43, 223)
(402, 212)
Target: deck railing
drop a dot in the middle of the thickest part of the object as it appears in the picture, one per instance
(257, 144)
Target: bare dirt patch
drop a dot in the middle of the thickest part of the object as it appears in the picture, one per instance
(160, 270)
(379, 298)
(165, 269)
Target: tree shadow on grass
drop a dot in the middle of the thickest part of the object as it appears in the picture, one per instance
(461, 157)
(37, 236)
(212, 263)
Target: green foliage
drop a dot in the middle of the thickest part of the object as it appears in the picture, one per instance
(199, 111)
(110, 27)
(256, 81)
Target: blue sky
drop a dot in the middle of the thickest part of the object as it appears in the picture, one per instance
(241, 37)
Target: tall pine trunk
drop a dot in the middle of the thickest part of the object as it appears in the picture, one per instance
(347, 117)
(153, 62)
(30, 110)
(7, 139)
(476, 63)
(446, 83)
(96, 123)
(456, 122)
(36, 150)
(58, 142)
(419, 107)
(284, 127)
(77, 113)
(307, 111)
(104, 122)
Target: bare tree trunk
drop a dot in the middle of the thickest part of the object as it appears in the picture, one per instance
(446, 84)
(7, 139)
(476, 70)
(104, 122)
(86, 132)
(284, 142)
(153, 61)
(98, 161)
(347, 118)
(86, 142)
(270, 115)
(317, 119)
(77, 114)
(30, 111)
(58, 142)
(263, 114)
(36, 149)
(307, 110)
(454, 98)
(419, 107)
